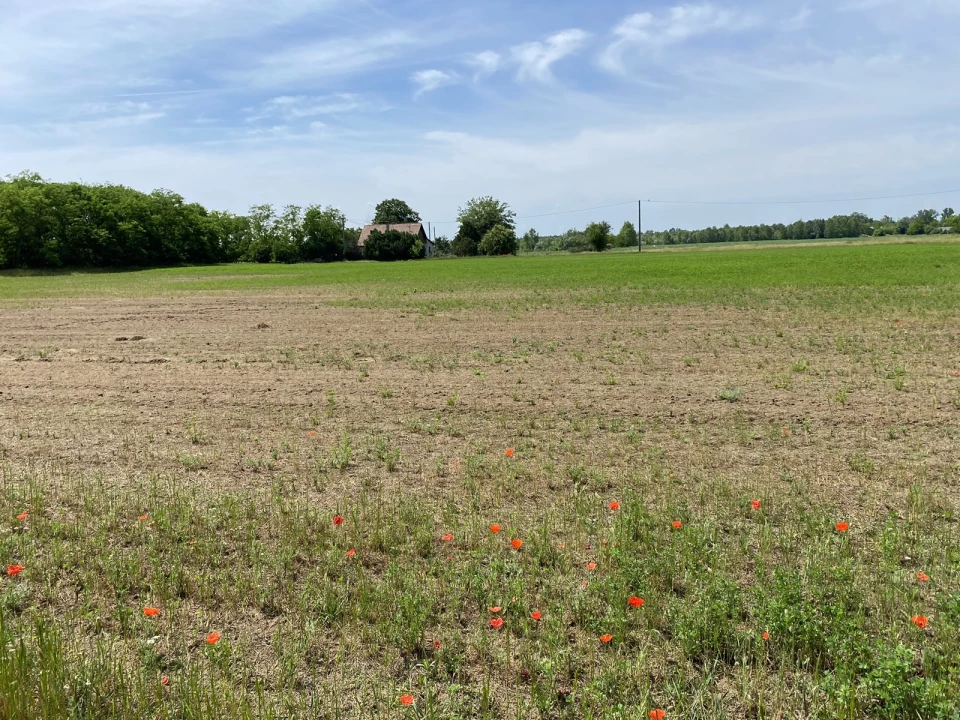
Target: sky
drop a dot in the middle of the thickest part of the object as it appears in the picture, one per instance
(570, 111)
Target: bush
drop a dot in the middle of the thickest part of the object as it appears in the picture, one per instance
(598, 235)
(501, 240)
(392, 245)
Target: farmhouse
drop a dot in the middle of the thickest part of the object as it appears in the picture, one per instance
(412, 228)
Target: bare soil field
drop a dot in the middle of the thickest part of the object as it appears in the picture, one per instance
(400, 417)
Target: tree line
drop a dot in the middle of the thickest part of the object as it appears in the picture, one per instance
(49, 225)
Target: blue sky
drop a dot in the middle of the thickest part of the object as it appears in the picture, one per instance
(550, 105)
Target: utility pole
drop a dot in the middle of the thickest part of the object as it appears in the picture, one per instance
(639, 226)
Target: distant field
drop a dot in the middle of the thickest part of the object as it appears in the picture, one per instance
(732, 277)
(733, 478)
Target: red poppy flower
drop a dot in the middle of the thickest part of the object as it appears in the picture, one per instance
(164, 680)
(351, 552)
(677, 524)
(517, 543)
(842, 527)
(920, 621)
(494, 529)
(606, 638)
(447, 538)
(614, 506)
(22, 516)
(509, 452)
(495, 609)
(337, 520)
(151, 611)
(213, 638)
(142, 518)
(14, 570)
(635, 601)
(536, 615)
(923, 577)
(406, 700)
(437, 645)
(755, 504)
(658, 714)
(496, 623)
(591, 566)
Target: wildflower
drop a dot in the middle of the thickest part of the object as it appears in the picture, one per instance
(517, 543)
(635, 601)
(536, 615)
(591, 566)
(406, 700)
(151, 611)
(956, 373)
(494, 529)
(447, 538)
(496, 623)
(786, 431)
(606, 638)
(920, 621)
(509, 452)
(14, 570)
(351, 552)
(755, 504)
(496, 609)
(337, 520)
(658, 714)
(614, 506)
(213, 638)
(842, 527)
(766, 636)
(22, 516)
(142, 518)
(456, 463)
(164, 680)
(671, 475)
(437, 644)
(312, 433)
(677, 524)
(923, 577)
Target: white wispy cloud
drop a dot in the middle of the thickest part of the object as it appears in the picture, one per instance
(645, 31)
(485, 63)
(296, 107)
(536, 59)
(336, 57)
(430, 80)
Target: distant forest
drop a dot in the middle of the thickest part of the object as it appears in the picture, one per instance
(925, 222)
(51, 225)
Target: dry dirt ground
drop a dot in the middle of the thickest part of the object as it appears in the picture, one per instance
(256, 391)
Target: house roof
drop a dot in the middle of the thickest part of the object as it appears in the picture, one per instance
(412, 228)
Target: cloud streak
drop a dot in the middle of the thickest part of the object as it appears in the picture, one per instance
(536, 59)
(430, 80)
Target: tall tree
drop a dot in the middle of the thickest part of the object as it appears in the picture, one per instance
(598, 235)
(627, 236)
(478, 217)
(394, 212)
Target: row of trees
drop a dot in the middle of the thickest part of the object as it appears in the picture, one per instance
(924, 222)
(44, 224)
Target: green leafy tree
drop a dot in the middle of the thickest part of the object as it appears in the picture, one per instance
(598, 235)
(529, 241)
(442, 247)
(500, 240)
(627, 237)
(324, 236)
(394, 212)
(478, 217)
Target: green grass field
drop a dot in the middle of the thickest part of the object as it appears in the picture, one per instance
(732, 477)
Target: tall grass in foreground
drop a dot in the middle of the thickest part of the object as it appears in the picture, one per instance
(760, 609)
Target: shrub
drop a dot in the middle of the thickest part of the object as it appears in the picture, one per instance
(392, 245)
(501, 240)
